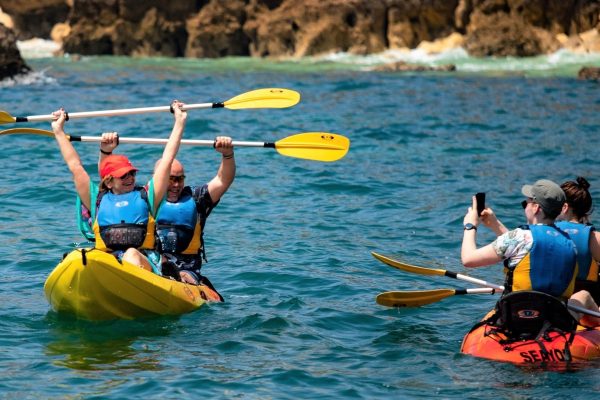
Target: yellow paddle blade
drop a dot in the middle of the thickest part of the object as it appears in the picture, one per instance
(414, 298)
(407, 267)
(32, 131)
(264, 98)
(318, 146)
(6, 118)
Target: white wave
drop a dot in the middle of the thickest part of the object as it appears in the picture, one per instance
(562, 59)
(416, 56)
(30, 78)
(38, 48)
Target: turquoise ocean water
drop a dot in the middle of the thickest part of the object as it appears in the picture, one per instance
(289, 245)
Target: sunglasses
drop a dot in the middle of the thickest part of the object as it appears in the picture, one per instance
(525, 202)
(127, 175)
(178, 178)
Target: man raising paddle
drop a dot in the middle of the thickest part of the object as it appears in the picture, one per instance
(181, 218)
(180, 221)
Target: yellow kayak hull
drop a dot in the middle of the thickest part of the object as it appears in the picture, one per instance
(93, 285)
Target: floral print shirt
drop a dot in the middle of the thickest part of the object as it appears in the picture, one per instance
(513, 245)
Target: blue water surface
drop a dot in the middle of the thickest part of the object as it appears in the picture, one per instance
(289, 245)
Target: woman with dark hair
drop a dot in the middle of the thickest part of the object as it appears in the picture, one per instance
(574, 219)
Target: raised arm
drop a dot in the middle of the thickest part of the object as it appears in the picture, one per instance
(110, 141)
(226, 173)
(163, 167)
(80, 175)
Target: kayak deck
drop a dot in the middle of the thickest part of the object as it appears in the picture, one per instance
(93, 285)
(485, 342)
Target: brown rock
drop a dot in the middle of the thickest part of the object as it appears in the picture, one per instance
(402, 66)
(590, 73)
(59, 32)
(316, 27)
(503, 35)
(284, 28)
(217, 31)
(35, 18)
(122, 27)
(412, 21)
(11, 63)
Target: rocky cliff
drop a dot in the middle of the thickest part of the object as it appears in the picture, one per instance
(291, 28)
(11, 63)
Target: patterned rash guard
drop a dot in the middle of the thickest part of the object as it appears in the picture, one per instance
(538, 257)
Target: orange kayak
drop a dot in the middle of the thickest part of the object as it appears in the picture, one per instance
(485, 342)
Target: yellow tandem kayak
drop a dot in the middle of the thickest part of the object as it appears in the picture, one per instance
(93, 285)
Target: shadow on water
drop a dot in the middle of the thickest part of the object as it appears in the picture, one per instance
(111, 345)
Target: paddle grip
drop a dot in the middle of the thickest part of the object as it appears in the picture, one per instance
(451, 274)
(218, 105)
(21, 119)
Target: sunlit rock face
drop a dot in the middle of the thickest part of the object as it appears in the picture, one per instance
(291, 28)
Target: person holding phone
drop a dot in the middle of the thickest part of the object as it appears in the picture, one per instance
(537, 256)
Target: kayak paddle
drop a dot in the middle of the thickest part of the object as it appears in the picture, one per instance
(260, 98)
(317, 146)
(417, 298)
(431, 271)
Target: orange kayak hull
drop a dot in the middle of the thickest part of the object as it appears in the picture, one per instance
(483, 342)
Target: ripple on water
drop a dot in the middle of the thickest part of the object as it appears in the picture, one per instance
(289, 245)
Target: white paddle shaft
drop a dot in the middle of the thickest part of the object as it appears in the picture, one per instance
(124, 111)
(190, 142)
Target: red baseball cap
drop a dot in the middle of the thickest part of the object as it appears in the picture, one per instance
(115, 166)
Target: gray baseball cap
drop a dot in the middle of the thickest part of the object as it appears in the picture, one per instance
(548, 195)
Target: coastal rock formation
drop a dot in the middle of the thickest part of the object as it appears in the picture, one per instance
(402, 66)
(589, 73)
(35, 18)
(11, 63)
(503, 36)
(412, 22)
(125, 27)
(217, 30)
(524, 27)
(290, 28)
(317, 27)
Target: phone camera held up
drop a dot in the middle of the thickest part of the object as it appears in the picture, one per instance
(480, 197)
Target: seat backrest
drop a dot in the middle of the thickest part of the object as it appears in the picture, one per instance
(523, 314)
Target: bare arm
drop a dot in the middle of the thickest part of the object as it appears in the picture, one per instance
(226, 173)
(80, 175)
(163, 167)
(595, 245)
(110, 141)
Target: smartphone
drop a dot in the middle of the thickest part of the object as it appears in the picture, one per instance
(480, 197)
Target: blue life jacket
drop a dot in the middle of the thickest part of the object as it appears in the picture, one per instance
(178, 226)
(580, 235)
(124, 221)
(549, 267)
